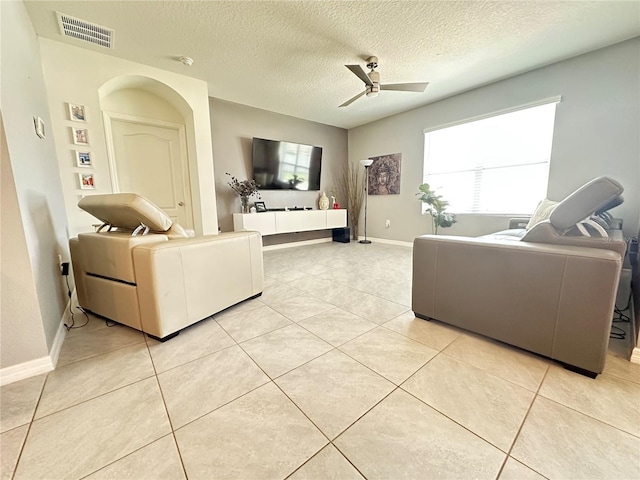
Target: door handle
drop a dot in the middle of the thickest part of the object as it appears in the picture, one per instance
(181, 204)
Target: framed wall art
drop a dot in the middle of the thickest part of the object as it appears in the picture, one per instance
(384, 175)
(80, 136)
(83, 159)
(77, 113)
(87, 181)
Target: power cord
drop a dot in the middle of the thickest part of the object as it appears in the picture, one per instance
(65, 273)
(618, 333)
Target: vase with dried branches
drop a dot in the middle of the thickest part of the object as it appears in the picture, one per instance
(350, 185)
(245, 189)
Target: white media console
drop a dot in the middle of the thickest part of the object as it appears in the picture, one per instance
(272, 223)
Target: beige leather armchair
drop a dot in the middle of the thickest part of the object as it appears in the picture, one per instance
(158, 279)
(546, 289)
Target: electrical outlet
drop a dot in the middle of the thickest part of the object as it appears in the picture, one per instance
(387, 223)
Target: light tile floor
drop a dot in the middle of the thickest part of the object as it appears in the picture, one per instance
(327, 375)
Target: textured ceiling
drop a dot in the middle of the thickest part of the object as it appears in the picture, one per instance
(289, 56)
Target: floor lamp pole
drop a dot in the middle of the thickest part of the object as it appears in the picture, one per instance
(366, 164)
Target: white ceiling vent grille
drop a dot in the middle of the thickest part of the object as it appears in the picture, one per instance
(85, 31)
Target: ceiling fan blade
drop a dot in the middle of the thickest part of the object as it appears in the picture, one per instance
(360, 73)
(406, 87)
(351, 100)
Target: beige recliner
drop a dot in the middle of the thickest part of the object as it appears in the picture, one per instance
(143, 270)
(548, 289)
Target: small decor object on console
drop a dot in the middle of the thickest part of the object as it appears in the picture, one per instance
(244, 188)
(333, 192)
(436, 207)
(323, 203)
(260, 207)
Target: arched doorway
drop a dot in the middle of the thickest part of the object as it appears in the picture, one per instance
(147, 146)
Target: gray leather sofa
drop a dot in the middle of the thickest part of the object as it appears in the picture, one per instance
(547, 289)
(159, 280)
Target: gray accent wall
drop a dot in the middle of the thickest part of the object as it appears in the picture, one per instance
(233, 127)
(596, 133)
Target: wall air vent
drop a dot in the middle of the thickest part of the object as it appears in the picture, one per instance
(85, 31)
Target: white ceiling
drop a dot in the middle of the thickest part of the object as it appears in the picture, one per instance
(289, 56)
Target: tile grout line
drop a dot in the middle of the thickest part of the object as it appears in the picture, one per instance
(524, 420)
(30, 423)
(511, 382)
(103, 353)
(589, 416)
(414, 339)
(442, 413)
(166, 409)
(93, 398)
(339, 434)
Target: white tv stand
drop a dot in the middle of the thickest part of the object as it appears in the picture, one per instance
(273, 223)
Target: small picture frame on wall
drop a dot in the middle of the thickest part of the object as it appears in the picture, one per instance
(76, 112)
(38, 124)
(83, 159)
(87, 181)
(80, 136)
(260, 207)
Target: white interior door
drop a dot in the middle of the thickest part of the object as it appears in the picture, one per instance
(150, 160)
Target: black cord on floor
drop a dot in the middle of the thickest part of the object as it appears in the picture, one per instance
(619, 316)
(617, 333)
(73, 319)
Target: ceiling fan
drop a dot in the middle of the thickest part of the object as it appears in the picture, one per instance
(372, 82)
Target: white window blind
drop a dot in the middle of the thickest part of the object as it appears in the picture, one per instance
(497, 165)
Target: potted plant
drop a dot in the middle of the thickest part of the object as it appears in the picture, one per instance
(436, 207)
(245, 189)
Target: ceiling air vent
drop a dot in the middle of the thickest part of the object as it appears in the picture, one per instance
(85, 31)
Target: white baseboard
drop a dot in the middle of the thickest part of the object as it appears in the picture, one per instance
(24, 370)
(41, 365)
(296, 244)
(60, 335)
(329, 239)
(390, 242)
(635, 355)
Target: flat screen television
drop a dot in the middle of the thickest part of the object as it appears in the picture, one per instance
(286, 165)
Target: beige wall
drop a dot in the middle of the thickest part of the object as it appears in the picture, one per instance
(34, 221)
(81, 76)
(233, 127)
(140, 103)
(22, 336)
(596, 133)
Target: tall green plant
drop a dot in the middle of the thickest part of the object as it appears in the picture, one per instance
(436, 207)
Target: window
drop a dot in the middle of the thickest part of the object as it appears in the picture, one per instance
(496, 165)
(295, 164)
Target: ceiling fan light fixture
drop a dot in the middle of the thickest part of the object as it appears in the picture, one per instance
(372, 82)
